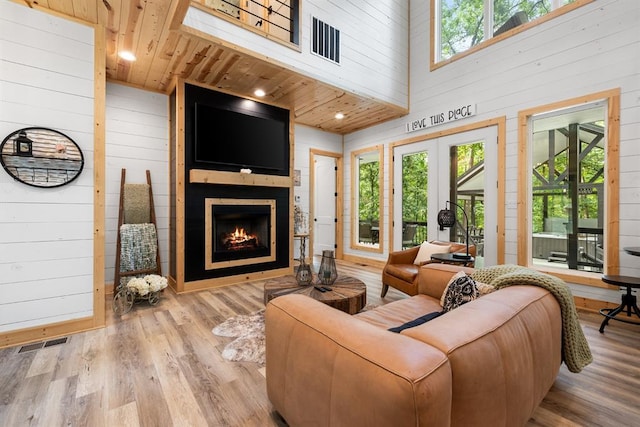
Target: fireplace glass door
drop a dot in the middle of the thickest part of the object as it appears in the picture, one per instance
(239, 232)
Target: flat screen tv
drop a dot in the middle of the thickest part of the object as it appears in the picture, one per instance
(234, 141)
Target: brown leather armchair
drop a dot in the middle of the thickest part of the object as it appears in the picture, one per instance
(401, 273)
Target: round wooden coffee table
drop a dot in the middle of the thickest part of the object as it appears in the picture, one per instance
(347, 293)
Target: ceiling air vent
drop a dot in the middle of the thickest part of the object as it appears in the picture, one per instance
(325, 41)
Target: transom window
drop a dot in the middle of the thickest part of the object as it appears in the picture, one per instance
(461, 25)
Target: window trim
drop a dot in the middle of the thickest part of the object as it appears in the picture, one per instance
(612, 180)
(434, 64)
(355, 213)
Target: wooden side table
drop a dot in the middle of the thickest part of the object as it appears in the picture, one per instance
(303, 244)
(347, 293)
(628, 303)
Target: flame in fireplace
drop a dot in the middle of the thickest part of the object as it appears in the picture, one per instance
(239, 235)
(239, 238)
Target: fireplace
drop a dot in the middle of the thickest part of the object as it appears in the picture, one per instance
(239, 232)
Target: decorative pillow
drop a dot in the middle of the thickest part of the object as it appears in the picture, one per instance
(427, 249)
(460, 290)
(455, 277)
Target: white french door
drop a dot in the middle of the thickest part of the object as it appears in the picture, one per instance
(481, 185)
(412, 210)
(485, 182)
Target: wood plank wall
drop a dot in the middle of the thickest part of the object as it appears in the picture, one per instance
(308, 139)
(594, 48)
(46, 235)
(374, 43)
(137, 140)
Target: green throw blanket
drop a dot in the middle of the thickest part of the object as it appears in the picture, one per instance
(138, 248)
(575, 349)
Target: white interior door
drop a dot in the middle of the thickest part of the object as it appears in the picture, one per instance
(324, 204)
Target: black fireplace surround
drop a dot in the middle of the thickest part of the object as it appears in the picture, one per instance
(196, 193)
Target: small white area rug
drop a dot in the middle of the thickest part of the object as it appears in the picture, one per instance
(248, 331)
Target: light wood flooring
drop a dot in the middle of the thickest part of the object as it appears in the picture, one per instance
(161, 366)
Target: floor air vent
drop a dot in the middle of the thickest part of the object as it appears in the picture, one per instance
(42, 344)
(56, 342)
(325, 41)
(31, 347)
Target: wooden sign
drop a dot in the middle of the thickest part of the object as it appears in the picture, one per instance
(441, 117)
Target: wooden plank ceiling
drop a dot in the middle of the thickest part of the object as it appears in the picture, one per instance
(152, 30)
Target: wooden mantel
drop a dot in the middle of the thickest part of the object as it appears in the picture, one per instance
(203, 176)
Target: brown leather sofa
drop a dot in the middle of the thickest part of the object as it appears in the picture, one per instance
(401, 273)
(489, 362)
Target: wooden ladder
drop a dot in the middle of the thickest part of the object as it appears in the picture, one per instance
(118, 275)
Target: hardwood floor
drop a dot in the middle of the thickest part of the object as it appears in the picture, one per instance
(161, 366)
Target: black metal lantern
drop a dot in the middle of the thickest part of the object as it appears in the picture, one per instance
(447, 218)
(327, 274)
(22, 145)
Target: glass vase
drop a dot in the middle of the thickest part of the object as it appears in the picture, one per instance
(327, 274)
(304, 275)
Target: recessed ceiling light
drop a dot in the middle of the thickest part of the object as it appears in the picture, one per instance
(259, 93)
(339, 116)
(126, 55)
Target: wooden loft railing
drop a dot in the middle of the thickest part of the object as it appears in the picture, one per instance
(274, 18)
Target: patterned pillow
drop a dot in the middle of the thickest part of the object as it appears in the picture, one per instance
(455, 277)
(460, 290)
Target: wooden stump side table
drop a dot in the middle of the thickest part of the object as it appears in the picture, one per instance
(347, 293)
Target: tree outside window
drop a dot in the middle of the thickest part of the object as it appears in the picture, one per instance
(369, 200)
(366, 196)
(466, 23)
(415, 178)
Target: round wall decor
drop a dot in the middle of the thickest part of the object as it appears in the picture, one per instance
(41, 157)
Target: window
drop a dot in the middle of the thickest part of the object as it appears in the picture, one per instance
(415, 181)
(366, 199)
(276, 19)
(568, 214)
(461, 25)
(467, 190)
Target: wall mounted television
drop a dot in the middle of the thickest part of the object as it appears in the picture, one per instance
(230, 140)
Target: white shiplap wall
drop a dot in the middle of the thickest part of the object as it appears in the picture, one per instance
(46, 235)
(594, 48)
(137, 132)
(306, 139)
(374, 45)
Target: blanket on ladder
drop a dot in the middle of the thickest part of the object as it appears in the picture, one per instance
(576, 353)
